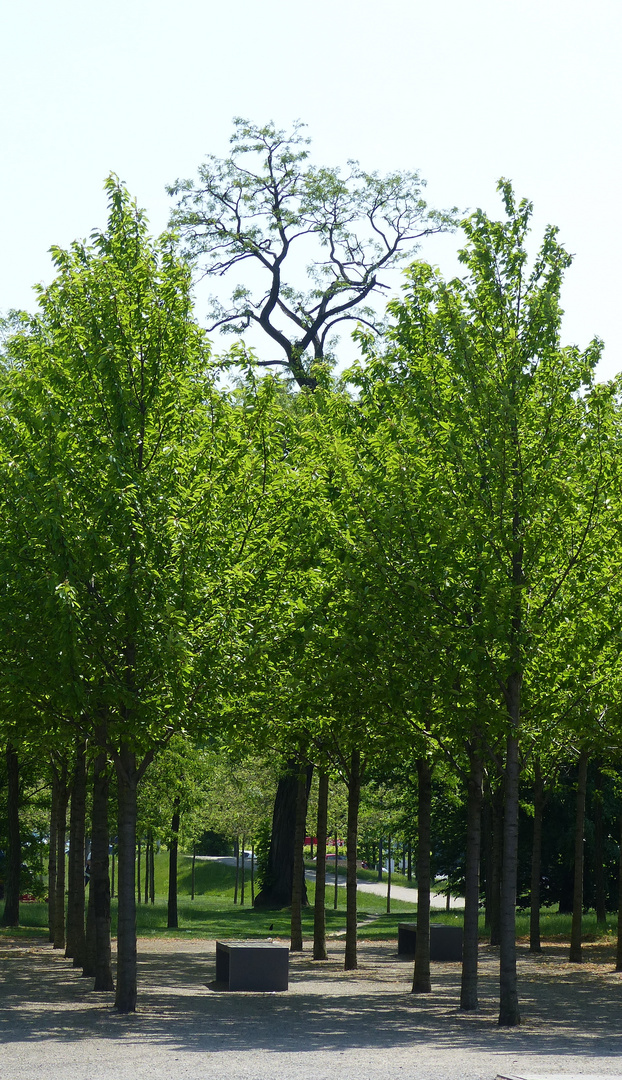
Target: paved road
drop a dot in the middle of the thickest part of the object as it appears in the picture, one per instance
(398, 892)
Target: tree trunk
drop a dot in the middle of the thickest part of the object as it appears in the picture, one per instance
(76, 940)
(61, 832)
(577, 898)
(10, 915)
(319, 911)
(354, 797)
(236, 848)
(243, 873)
(298, 882)
(253, 874)
(127, 782)
(600, 897)
(336, 888)
(619, 949)
(496, 862)
(536, 860)
(99, 951)
(388, 875)
(172, 921)
(470, 948)
(421, 976)
(193, 872)
(52, 855)
(277, 893)
(509, 1014)
(148, 858)
(138, 856)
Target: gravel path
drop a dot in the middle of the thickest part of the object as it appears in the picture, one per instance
(362, 1025)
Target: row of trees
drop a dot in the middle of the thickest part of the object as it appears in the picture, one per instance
(413, 563)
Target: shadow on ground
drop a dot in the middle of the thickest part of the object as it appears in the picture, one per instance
(571, 1010)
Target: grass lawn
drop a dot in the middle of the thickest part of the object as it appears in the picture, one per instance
(212, 913)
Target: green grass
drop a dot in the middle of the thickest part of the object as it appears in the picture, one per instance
(212, 914)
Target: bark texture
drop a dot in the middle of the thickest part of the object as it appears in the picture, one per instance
(319, 911)
(468, 989)
(76, 939)
(172, 918)
(296, 943)
(127, 781)
(509, 1013)
(354, 798)
(99, 887)
(52, 853)
(61, 834)
(277, 890)
(421, 976)
(575, 955)
(536, 860)
(10, 915)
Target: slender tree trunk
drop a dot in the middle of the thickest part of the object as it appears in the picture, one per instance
(389, 875)
(152, 872)
(298, 888)
(52, 855)
(193, 874)
(470, 947)
(61, 832)
(148, 858)
(127, 782)
(619, 948)
(280, 870)
(76, 940)
(600, 897)
(319, 911)
(421, 976)
(99, 950)
(579, 837)
(509, 1014)
(139, 848)
(243, 873)
(112, 878)
(236, 848)
(354, 797)
(336, 889)
(496, 862)
(536, 860)
(172, 921)
(10, 915)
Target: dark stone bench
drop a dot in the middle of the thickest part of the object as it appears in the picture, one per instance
(445, 941)
(252, 965)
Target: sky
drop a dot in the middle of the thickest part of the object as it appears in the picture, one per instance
(463, 93)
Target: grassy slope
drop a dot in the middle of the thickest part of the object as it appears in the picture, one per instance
(212, 913)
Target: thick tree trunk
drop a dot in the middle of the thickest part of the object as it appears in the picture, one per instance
(298, 881)
(319, 911)
(509, 1013)
(421, 976)
(61, 833)
(172, 920)
(470, 948)
(354, 798)
(10, 915)
(52, 855)
(600, 897)
(76, 940)
(127, 782)
(579, 836)
(277, 892)
(536, 860)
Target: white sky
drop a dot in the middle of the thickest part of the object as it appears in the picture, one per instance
(463, 92)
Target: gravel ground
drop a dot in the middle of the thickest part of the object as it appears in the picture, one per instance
(362, 1025)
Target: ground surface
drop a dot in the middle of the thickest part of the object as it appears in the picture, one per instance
(362, 1025)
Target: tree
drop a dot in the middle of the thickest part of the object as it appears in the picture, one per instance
(509, 434)
(270, 213)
